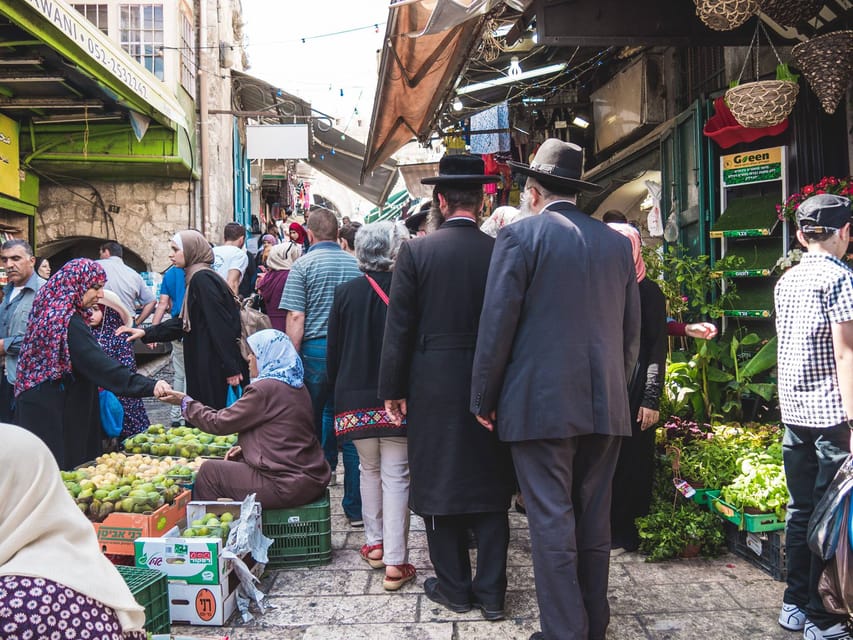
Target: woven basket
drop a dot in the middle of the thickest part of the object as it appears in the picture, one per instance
(790, 12)
(724, 15)
(764, 103)
(827, 63)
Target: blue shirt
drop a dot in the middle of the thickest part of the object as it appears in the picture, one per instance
(13, 321)
(310, 287)
(173, 285)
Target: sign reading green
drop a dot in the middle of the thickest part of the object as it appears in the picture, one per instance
(760, 165)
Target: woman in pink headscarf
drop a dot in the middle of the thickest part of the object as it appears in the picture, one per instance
(632, 483)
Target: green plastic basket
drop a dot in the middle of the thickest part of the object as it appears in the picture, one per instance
(302, 536)
(151, 590)
(705, 496)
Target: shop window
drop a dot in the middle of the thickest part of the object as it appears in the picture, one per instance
(142, 35)
(188, 60)
(95, 13)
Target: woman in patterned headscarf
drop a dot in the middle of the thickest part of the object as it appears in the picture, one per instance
(209, 324)
(277, 455)
(105, 318)
(61, 366)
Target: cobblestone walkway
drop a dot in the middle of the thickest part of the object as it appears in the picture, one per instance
(722, 599)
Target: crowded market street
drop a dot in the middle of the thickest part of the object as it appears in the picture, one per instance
(720, 599)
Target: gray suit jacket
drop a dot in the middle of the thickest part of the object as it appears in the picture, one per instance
(560, 329)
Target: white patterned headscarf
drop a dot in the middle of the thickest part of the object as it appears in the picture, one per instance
(277, 359)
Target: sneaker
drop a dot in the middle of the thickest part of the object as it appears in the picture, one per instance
(358, 523)
(838, 631)
(791, 617)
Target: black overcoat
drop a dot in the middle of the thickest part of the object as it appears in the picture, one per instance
(456, 465)
(211, 348)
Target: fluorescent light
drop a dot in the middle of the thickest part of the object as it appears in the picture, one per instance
(524, 75)
(578, 121)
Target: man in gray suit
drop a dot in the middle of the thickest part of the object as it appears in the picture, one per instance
(558, 338)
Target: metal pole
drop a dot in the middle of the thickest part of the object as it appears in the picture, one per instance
(203, 116)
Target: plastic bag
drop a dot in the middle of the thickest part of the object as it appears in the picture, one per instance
(835, 585)
(828, 516)
(112, 413)
(235, 392)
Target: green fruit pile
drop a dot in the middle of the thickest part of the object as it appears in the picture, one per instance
(187, 442)
(125, 484)
(210, 525)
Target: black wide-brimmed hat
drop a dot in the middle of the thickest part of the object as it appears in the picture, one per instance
(557, 165)
(460, 170)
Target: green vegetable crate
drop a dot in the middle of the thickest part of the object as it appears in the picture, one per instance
(302, 536)
(753, 523)
(151, 590)
(704, 496)
(764, 550)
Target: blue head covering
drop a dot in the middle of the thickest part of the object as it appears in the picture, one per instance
(277, 359)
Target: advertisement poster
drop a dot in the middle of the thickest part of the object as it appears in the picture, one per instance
(10, 179)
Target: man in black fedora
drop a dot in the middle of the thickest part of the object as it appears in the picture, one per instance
(558, 339)
(461, 475)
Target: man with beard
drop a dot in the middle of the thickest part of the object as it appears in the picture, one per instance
(461, 477)
(18, 295)
(558, 339)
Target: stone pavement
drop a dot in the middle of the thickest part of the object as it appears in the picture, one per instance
(721, 599)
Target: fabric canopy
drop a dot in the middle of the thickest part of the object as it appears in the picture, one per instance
(415, 75)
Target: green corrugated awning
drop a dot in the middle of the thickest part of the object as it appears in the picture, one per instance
(391, 210)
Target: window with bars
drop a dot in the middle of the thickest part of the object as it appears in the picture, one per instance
(95, 13)
(188, 60)
(142, 35)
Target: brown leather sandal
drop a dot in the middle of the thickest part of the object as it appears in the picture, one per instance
(366, 550)
(407, 574)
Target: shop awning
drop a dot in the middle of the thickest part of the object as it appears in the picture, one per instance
(415, 76)
(40, 82)
(331, 151)
(392, 209)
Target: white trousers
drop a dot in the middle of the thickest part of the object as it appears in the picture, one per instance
(384, 465)
(179, 382)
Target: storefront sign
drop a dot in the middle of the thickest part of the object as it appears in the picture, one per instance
(109, 56)
(748, 167)
(10, 177)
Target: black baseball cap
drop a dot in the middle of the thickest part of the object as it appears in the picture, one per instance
(824, 212)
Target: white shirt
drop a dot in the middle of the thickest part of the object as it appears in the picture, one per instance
(227, 257)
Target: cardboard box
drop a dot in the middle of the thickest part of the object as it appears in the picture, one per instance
(208, 605)
(197, 509)
(118, 530)
(188, 560)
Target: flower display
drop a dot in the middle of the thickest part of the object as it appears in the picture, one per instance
(827, 184)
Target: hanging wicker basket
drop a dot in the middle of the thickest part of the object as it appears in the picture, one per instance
(764, 103)
(724, 15)
(827, 63)
(790, 12)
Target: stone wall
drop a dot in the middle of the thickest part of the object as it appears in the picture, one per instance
(151, 211)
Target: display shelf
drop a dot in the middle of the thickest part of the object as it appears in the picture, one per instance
(747, 217)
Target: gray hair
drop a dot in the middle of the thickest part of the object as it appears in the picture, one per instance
(377, 245)
(17, 242)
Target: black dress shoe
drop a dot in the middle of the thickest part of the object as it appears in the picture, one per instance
(490, 612)
(538, 636)
(433, 593)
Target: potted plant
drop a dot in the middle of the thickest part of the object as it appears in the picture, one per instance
(682, 530)
(827, 184)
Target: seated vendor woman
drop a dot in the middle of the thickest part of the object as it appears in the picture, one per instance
(277, 455)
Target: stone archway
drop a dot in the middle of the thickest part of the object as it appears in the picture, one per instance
(61, 251)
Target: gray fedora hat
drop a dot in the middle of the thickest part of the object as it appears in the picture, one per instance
(557, 165)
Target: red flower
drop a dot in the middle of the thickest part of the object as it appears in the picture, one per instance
(808, 189)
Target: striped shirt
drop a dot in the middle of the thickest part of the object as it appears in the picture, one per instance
(810, 298)
(310, 287)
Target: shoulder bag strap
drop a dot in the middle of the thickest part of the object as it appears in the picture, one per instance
(377, 289)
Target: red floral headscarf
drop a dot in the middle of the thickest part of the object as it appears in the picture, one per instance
(44, 352)
(298, 228)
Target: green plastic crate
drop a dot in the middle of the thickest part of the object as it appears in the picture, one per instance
(727, 511)
(704, 496)
(151, 590)
(759, 523)
(302, 536)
